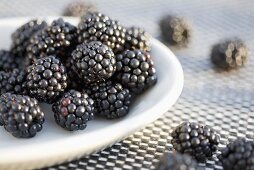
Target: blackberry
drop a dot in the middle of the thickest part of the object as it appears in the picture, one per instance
(137, 38)
(8, 61)
(199, 141)
(57, 39)
(238, 155)
(46, 79)
(93, 62)
(111, 99)
(73, 81)
(20, 38)
(13, 82)
(73, 110)
(176, 161)
(78, 9)
(20, 115)
(175, 30)
(99, 27)
(135, 70)
(229, 54)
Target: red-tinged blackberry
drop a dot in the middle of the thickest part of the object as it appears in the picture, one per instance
(229, 54)
(95, 26)
(20, 115)
(111, 99)
(176, 161)
(13, 82)
(57, 39)
(78, 8)
(137, 38)
(135, 70)
(93, 62)
(237, 155)
(73, 110)
(46, 79)
(199, 141)
(8, 61)
(175, 30)
(20, 38)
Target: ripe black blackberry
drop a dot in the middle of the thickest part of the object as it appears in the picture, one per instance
(20, 38)
(238, 155)
(8, 61)
(78, 9)
(176, 161)
(93, 62)
(57, 39)
(73, 81)
(137, 38)
(46, 79)
(135, 70)
(229, 54)
(111, 99)
(175, 30)
(13, 82)
(199, 141)
(73, 110)
(95, 26)
(20, 115)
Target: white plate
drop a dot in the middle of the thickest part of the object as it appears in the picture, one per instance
(54, 145)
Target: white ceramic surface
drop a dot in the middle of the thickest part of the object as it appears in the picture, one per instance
(54, 145)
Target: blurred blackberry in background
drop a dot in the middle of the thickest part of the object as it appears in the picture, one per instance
(176, 161)
(137, 38)
(8, 61)
(13, 82)
(199, 141)
(238, 155)
(20, 38)
(175, 30)
(57, 39)
(93, 62)
(98, 27)
(46, 79)
(111, 99)
(135, 70)
(20, 115)
(229, 54)
(73, 110)
(78, 8)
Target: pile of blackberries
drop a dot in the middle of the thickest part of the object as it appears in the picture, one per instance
(96, 68)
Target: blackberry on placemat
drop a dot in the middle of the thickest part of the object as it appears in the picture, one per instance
(229, 54)
(78, 8)
(237, 155)
(176, 161)
(175, 30)
(197, 140)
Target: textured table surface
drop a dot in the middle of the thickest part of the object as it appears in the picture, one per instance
(223, 100)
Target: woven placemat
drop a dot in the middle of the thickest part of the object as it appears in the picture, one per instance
(223, 100)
